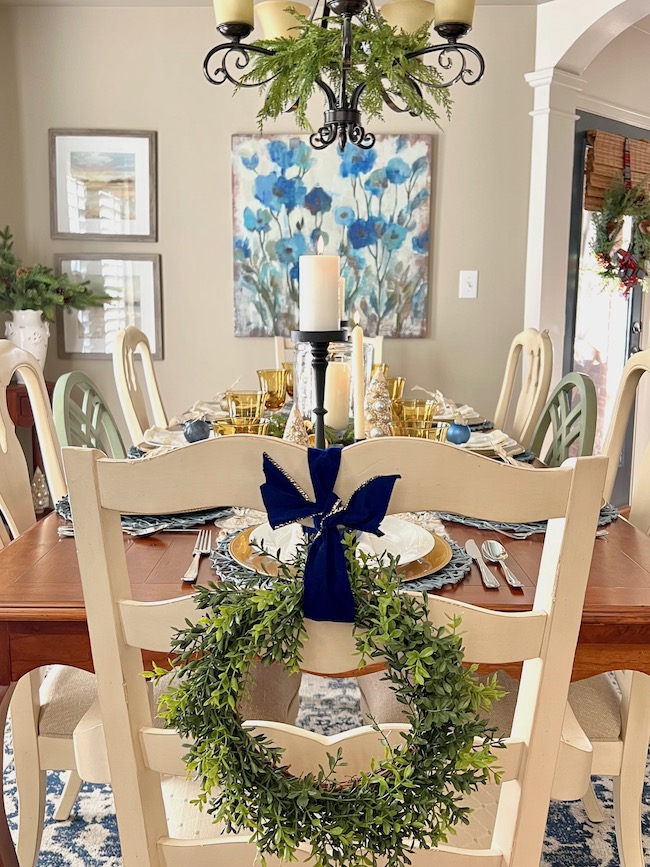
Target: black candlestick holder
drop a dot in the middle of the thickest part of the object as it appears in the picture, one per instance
(320, 341)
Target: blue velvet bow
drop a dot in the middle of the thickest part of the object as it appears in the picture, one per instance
(327, 594)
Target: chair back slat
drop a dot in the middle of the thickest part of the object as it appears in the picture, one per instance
(434, 476)
(636, 366)
(535, 350)
(571, 414)
(82, 416)
(132, 393)
(640, 505)
(16, 503)
(430, 474)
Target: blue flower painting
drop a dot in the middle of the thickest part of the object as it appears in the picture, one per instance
(371, 207)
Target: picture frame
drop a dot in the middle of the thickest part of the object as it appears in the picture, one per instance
(133, 280)
(103, 184)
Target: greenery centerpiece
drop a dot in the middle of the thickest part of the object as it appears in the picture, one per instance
(410, 797)
(37, 287)
(624, 269)
(290, 74)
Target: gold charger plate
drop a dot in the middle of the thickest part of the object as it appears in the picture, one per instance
(242, 552)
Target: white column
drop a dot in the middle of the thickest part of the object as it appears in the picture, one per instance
(549, 213)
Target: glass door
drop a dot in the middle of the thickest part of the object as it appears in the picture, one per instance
(603, 327)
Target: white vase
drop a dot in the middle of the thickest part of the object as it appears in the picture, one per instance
(28, 330)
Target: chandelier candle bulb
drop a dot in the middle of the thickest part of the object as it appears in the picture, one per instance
(337, 395)
(454, 12)
(319, 293)
(358, 381)
(233, 11)
(276, 22)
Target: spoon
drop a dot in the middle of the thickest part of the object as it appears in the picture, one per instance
(496, 553)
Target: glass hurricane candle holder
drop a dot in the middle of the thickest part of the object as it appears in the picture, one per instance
(303, 381)
(274, 383)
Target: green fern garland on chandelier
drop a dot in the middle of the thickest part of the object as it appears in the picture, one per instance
(411, 797)
(378, 58)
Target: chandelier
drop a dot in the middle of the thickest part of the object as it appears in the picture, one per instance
(360, 59)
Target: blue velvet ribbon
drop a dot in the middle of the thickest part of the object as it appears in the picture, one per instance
(327, 593)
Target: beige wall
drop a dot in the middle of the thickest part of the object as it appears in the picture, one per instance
(140, 68)
(11, 169)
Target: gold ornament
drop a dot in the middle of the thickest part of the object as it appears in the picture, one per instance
(378, 408)
(295, 430)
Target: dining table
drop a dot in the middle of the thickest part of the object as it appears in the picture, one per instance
(43, 620)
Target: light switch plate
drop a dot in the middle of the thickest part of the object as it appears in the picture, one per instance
(468, 284)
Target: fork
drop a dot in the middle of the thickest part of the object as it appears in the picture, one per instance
(202, 547)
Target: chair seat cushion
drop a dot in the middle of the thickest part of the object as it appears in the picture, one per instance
(594, 701)
(67, 693)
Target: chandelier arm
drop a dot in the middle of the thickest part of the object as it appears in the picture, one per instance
(329, 93)
(447, 52)
(242, 61)
(356, 95)
(373, 8)
(390, 102)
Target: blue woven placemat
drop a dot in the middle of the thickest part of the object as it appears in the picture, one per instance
(228, 569)
(180, 521)
(608, 513)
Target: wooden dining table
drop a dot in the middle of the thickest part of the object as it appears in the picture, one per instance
(43, 620)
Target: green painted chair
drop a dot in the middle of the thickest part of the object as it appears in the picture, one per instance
(571, 412)
(82, 416)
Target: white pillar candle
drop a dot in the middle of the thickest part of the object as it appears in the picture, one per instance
(276, 22)
(358, 381)
(233, 11)
(337, 394)
(319, 293)
(341, 298)
(454, 11)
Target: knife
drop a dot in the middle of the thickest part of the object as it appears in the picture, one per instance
(489, 579)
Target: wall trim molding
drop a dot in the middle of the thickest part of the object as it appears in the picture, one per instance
(613, 112)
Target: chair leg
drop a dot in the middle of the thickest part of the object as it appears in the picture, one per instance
(592, 805)
(30, 779)
(68, 797)
(628, 786)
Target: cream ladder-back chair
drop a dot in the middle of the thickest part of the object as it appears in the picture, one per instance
(44, 711)
(128, 341)
(537, 351)
(283, 346)
(544, 638)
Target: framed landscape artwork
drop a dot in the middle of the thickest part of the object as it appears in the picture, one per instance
(132, 282)
(103, 185)
(371, 207)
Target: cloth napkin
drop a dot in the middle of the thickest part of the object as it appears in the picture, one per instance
(207, 409)
(160, 436)
(488, 440)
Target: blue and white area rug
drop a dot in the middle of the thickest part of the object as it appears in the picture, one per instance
(89, 838)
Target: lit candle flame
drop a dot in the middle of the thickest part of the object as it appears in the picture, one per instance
(356, 318)
(320, 246)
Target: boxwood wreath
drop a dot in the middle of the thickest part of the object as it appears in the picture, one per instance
(378, 59)
(409, 797)
(624, 268)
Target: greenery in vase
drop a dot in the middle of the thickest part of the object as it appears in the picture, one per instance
(411, 796)
(36, 287)
(378, 59)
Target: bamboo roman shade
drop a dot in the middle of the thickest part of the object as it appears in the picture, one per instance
(605, 160)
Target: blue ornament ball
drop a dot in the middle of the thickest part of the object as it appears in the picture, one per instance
(196, 430)
(458, 433)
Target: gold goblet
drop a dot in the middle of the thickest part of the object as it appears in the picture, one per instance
(413, 410)
(288, 366)
(438, 431)
(376, 367)
(395, 386)
(274, 383)
(230, 426)
(246, 404)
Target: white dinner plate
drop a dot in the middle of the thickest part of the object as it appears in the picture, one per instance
(402, 539)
